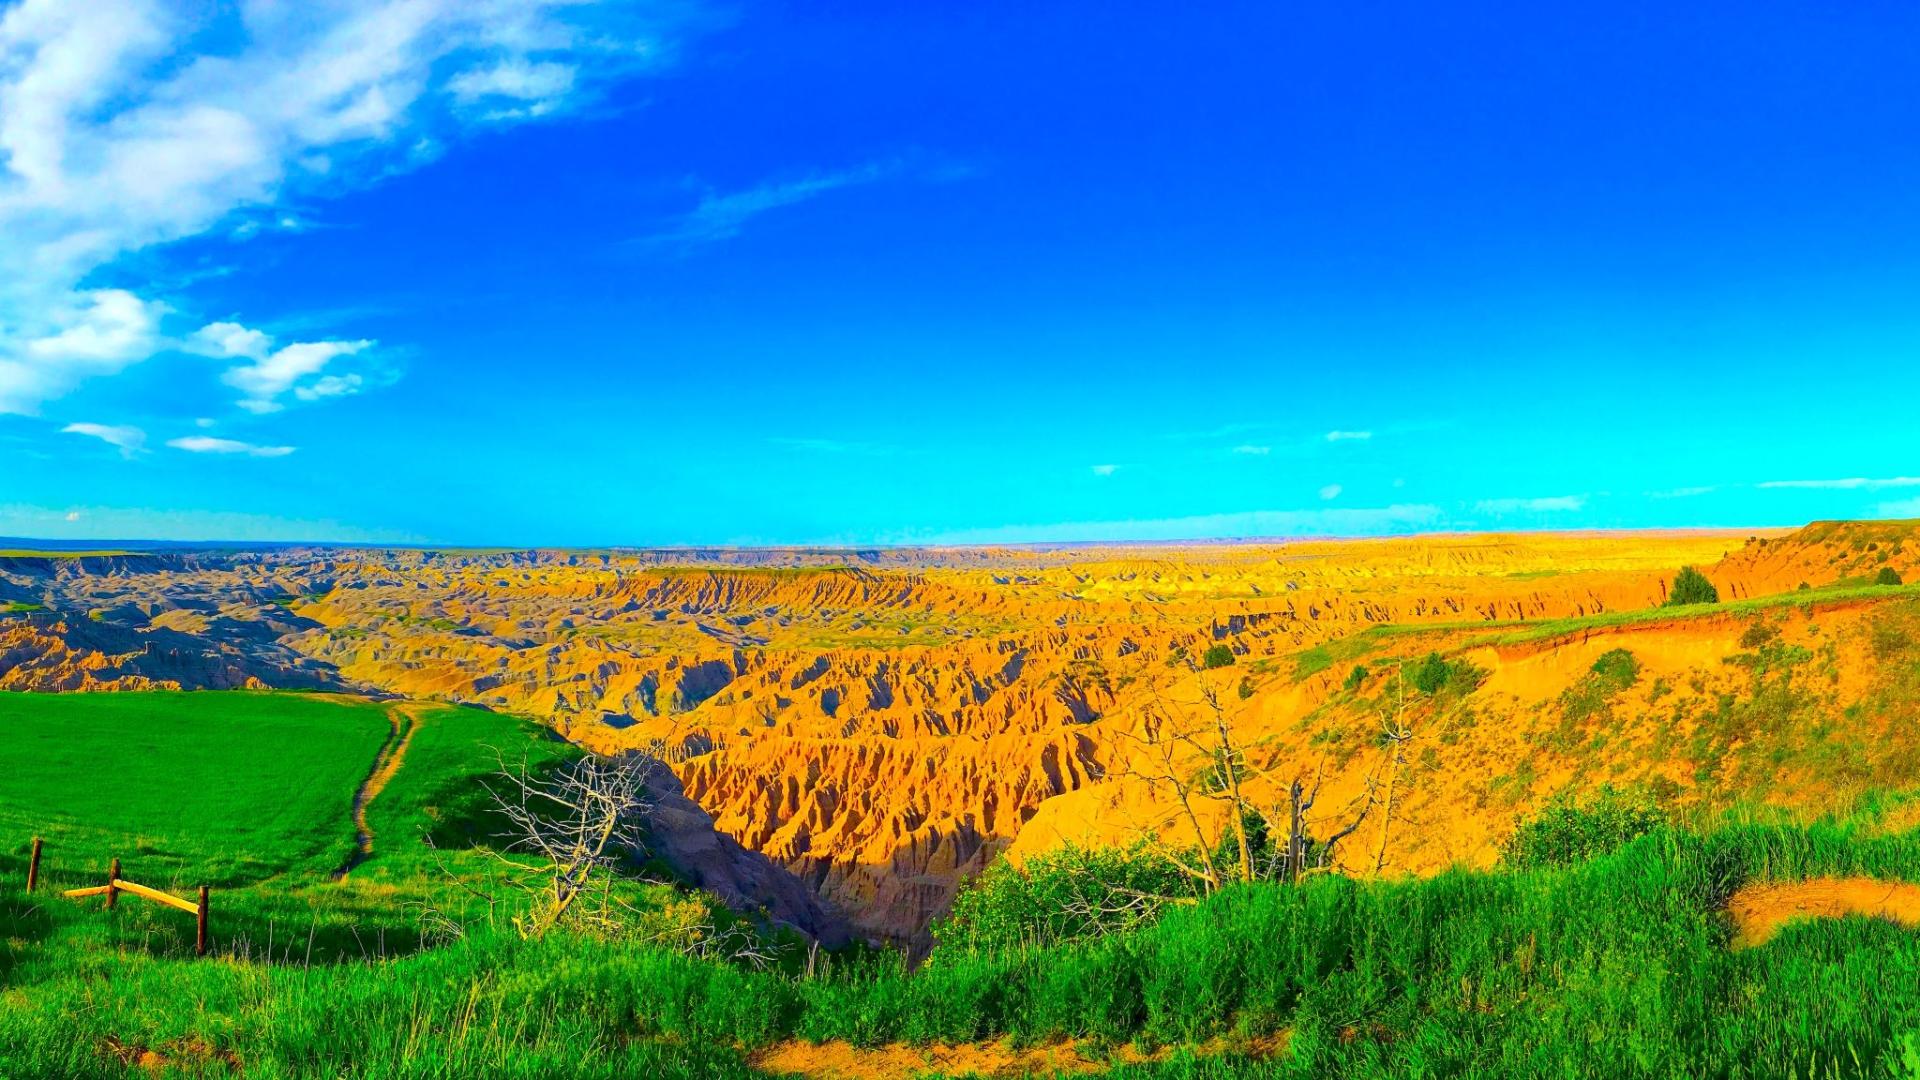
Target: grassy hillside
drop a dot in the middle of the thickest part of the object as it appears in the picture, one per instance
(197, 788)
(1624, 965)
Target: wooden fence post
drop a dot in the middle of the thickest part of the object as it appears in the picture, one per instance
(33, 866)
(113, 875)
(200, 944)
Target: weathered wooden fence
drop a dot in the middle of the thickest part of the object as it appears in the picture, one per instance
(116, 885)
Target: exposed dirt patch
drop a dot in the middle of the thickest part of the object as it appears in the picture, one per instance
(405, 720)
(1759, 911)
(187, 1053)
(900, 1061)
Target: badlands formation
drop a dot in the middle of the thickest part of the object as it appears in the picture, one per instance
(879, 725)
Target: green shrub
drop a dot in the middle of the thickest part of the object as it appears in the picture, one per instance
(1690, 586)
(1566, 831)
(1618, 667)
(1357, 677)
(1217, 656)
(1887, 576)
(1068, 894)
(1436, 673)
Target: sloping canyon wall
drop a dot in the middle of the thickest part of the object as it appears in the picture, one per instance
(884, 723)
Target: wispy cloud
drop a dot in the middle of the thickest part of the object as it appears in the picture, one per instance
(1330, 492)
(1105, 470)
(722, 215)
(1259, 523)
(1544, 505)
(270, 373)
(1851, 483)
(1252, 450)
(127, 523)
(1901, 508)
(1682, 493)
(130, 440)
(1349, 436)
(126, 124)
(207, 444)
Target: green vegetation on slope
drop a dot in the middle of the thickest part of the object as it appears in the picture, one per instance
(1618, 967)
(1601, 949)
(211, 787)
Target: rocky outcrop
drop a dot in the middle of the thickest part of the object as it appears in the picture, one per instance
(869, 727)
(685, 836)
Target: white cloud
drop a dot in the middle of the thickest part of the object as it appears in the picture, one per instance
(295, 367)
(130, 123)
(230, 339)
(119, 523)
(514, 89)
(1105, 470)
(1255, 451)
(1903, 508)
(1851, 483)
(100, 331)
(130, 440)
(721, 216)
(1257, 523)
(1548, 504)
(1331, 491)
(329, 386)
(1349, 436)
(1682, 493)
(207, 444)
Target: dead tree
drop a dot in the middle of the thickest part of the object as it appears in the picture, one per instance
(576, 821)
(1396, 733)
(1173, 739)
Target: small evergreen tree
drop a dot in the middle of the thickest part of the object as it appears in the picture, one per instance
(1690, 586)
(1432, 674)
(1887, 576)
(1217, 656)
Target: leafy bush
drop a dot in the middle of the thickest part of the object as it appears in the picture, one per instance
(1618, 667)
(1758, 633)
(1887, 576)
(1690, 586)
(1436, 673)
(1357, 677)
(1565, 831)
(1068, 894)
(1217, 656)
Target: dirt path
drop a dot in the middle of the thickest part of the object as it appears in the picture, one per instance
(900, 1061)
(405, 720)
(1759, 911)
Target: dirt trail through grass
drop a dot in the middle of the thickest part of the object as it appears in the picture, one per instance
(902, 1061)
(1759, 911)
(405, 720)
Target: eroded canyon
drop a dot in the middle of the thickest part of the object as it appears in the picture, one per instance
(881, 724)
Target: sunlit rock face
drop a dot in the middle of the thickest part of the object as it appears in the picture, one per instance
(881, 724)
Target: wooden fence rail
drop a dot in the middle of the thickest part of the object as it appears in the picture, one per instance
(116, 885)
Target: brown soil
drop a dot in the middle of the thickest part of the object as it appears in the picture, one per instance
(1759, 911)
(900, 1061)
(405, 720)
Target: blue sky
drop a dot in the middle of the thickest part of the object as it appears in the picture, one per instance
(506, 271)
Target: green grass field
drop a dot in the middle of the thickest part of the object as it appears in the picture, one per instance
(179, 785)
(1619, 966)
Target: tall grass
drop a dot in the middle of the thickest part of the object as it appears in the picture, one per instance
(1619, 967)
